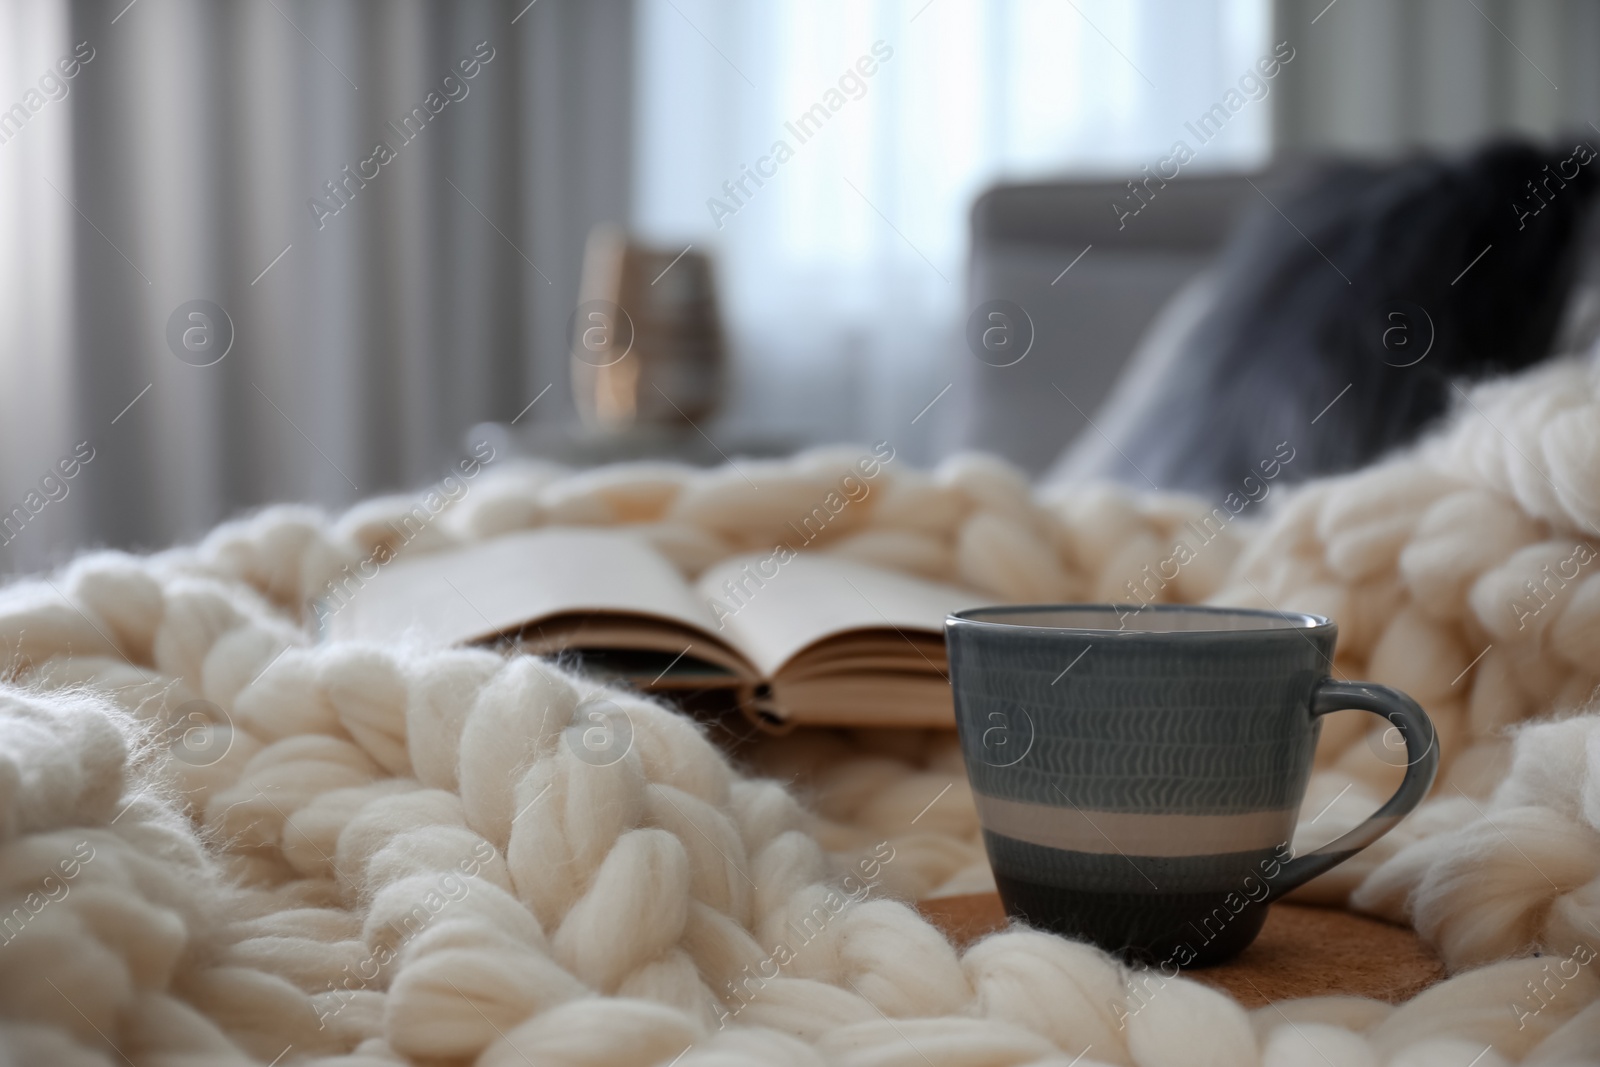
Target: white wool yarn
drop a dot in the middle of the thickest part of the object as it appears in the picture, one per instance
(221, 842)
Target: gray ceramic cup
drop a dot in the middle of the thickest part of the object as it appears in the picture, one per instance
(1138, 772)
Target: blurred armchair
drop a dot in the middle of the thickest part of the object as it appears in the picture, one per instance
(1089, 309)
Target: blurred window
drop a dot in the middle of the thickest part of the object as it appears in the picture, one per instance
(841, 252)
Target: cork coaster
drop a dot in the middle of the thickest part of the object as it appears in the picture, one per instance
(1301, 952)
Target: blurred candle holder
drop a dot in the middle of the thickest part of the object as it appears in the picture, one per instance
(646, 342)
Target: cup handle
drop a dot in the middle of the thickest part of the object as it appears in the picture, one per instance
(1422, 764)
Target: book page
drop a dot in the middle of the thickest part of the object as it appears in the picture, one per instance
(919, 700)
(813, 597)
(501, 585)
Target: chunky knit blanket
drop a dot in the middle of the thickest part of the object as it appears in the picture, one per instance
(223, 842)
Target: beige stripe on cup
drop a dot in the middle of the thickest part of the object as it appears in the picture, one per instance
(1134, 833)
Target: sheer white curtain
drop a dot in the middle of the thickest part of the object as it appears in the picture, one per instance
(843, 270)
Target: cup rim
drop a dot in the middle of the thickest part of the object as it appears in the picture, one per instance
(1299, 622)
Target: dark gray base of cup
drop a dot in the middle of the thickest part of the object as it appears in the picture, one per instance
(1109, 900)
(1138, 931)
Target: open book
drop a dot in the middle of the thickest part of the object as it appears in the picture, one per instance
(812, 640)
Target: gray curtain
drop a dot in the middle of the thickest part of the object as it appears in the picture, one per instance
(1388, 76)
(182, 165)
